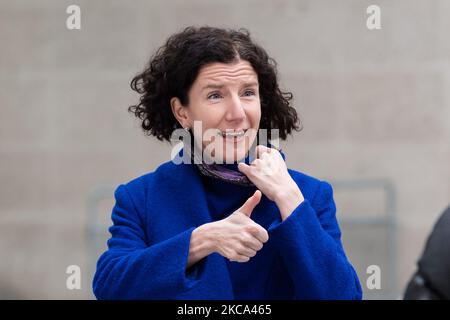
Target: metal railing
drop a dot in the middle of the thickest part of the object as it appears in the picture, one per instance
(387, 220)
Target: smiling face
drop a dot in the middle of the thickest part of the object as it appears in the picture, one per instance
(225, 98)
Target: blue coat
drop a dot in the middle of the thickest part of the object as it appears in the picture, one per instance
(155, 214)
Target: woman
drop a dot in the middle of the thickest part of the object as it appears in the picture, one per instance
(227, 225)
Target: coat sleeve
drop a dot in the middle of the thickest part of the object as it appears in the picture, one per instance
(310, 246)
(130, 269)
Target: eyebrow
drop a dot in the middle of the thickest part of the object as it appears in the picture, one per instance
(220, 86)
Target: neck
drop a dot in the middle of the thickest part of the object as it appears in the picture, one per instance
(227, 172)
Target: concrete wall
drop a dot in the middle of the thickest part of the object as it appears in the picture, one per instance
(374, 104)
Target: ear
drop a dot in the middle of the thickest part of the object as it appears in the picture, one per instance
(180, 112)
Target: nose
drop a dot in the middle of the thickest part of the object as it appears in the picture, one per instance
(235, 110)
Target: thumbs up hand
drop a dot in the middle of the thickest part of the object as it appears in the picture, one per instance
(238, 237)
(250, 204)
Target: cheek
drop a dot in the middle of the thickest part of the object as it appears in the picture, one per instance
(254, 115)
(208, 117)
(212, 120)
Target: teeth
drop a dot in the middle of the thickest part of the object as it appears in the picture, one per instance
(233, 134)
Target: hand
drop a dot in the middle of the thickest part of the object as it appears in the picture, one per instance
(238, 237)
(270, 175)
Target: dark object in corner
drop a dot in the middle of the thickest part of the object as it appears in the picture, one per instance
(432, 279)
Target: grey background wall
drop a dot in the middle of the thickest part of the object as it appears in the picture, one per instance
(374, 104)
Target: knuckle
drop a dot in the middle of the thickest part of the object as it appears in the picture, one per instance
(257, 245)
(246, 238)
(264, 235)
(246, 243)
(240, 249)
(251, 229)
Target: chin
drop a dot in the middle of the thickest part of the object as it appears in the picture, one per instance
(236, 155)
(228, 152)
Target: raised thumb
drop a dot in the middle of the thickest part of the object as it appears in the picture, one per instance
(251, 203)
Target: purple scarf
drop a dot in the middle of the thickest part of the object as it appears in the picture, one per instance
(225, 172)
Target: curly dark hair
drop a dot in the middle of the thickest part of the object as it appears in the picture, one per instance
(174, 67)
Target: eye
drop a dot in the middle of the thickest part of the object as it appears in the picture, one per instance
(248, 93)
(214, 96)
